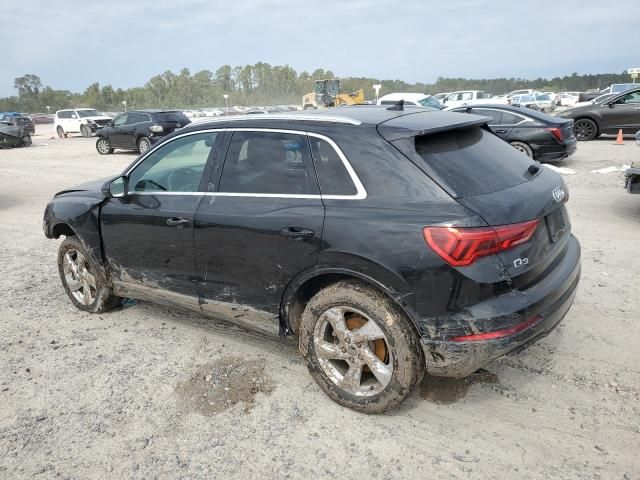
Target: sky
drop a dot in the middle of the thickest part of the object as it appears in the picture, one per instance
(72, 44)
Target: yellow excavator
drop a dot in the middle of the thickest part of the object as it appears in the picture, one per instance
(327, 94)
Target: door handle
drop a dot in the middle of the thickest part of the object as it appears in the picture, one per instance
(177, 222)
(297, 232)
(501, 131)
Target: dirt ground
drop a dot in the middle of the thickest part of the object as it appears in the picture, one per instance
(122, 395)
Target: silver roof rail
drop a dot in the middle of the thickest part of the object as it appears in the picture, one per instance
(279, 116)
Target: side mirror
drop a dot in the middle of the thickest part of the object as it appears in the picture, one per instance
(116, 187)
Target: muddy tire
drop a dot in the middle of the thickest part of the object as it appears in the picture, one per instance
(26, 141)
(85, 282)
(360, 348)
(60, 131)
(84, 130)
(103, 146)
(523, 147)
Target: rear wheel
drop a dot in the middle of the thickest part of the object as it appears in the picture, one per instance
(84, 281)
(585, 129)
(103, 146)
(84, 130)
(143, 145)
(360, 348)
(523, 147)
(60, 132)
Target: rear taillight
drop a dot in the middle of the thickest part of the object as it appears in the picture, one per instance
(156, 128)
(557, 133)
(461, 246)
(497, 334)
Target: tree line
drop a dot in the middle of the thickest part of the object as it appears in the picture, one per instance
(260, 84)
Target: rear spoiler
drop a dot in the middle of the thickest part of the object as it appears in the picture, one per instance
(426, 123)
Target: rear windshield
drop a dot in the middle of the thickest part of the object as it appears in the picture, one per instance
(472, 161)
(175, 117)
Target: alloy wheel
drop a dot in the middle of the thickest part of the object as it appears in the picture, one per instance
(103, 146)
(143, 145)
(353, 351)
(79, 279)
(584, 130)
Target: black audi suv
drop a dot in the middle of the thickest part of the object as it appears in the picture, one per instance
(138, 130)
(389, 241)
(538, 135)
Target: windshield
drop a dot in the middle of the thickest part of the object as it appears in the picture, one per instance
(543, 98)
(621, 87)
(430, 102)
(89, 113)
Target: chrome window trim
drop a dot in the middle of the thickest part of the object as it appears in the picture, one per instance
(360, 194)
(515, 114)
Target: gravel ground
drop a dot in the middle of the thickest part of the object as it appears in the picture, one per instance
(122, 395)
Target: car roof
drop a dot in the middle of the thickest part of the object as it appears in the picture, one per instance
(156, 110)
(392, 124)
(510, 108)
(405, 96)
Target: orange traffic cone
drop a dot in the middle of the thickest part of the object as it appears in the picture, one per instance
(620, 137)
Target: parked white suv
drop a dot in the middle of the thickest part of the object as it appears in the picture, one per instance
(79, 120)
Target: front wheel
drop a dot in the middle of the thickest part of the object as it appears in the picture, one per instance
(143, 145)
(523, 147)
(585, 129)
(360, 348)
(103, 146)
(60, 131)
(26, 141)
(84, 130)
(84, 281)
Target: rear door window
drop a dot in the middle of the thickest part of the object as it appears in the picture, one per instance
(495, 115)
(471, 162)
(333, 177)
(268, 163)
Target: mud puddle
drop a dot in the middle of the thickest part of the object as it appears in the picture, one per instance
(218, 386)
(445, 391)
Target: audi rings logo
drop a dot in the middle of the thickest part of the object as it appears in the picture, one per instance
(558, 194)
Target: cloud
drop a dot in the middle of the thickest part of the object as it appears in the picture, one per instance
(71, 45)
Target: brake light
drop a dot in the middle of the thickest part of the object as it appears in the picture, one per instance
(496, 334)
(461, 246)
(556, 133)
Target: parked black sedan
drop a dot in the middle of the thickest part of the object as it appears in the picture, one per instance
(138, 130)
(620, 112)
(539, 136)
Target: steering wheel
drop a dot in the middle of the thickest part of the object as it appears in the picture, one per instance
(180, 178)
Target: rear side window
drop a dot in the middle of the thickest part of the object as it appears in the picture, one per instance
(495, 115)
(268, 162)
(472, 161)
(333, 177)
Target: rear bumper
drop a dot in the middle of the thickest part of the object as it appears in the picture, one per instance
(565, 150)
(549, 299)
